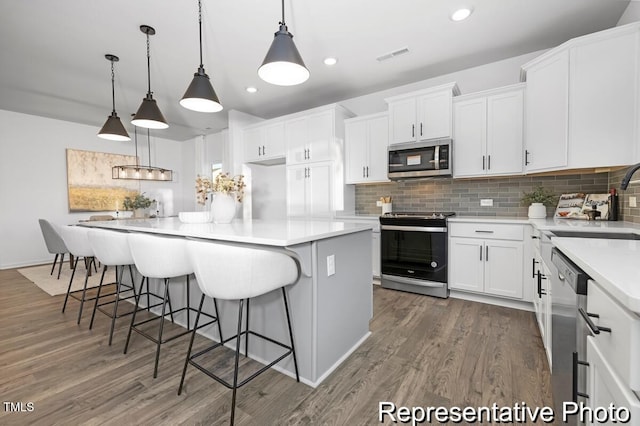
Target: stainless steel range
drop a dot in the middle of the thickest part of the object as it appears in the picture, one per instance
(414, 252)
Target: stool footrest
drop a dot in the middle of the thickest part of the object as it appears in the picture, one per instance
(182, 333)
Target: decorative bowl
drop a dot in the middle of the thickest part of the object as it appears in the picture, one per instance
(195, 217)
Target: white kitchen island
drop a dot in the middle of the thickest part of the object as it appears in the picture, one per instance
(330, 312)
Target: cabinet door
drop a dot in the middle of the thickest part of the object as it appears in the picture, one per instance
(602, 104)
(273, 142)
(503, 268)
(402, 121)
(378, 132)
(547, 104)
(318, 189)
(375, 253)
(296, 190)
(319, 136)
(466, 264)
(470, 137)
(504, 133)
(536, 267)
(434, 115)
(295, 134)
(252, 139)
(356, 151)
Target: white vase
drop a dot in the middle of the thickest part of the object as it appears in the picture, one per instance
(223, 207)
(139, 213)
(537, 211)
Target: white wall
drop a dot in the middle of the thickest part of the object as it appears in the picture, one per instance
(268, 191)
(33, 179)
(631, 14)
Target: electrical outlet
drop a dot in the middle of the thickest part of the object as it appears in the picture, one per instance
(378, 203)
(331, 265)
(486, 202)
(632, 202)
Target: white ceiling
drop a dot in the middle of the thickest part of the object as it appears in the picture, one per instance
(53, 61)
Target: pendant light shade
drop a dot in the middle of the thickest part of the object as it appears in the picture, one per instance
(148, 114)
(283, 64)
(113, 128)
(200, 95)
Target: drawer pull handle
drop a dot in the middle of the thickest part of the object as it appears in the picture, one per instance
(594, 328)
(540, 290)
(484, 232)
(533, 264)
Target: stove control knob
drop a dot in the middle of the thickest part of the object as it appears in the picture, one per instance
(434, 264)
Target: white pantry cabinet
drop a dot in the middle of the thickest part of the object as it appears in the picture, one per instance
(264, 143)
(582, 101)
(309, 189)
(488, 132)
(487, 258)
(366, 142)
(421, 115)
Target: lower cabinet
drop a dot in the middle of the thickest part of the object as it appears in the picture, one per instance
(375, 253)
(486, 258)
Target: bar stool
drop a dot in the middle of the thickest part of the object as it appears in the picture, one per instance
(54, 242)
(77, 241)
(111, 248)
(163, 258)
(232, 272)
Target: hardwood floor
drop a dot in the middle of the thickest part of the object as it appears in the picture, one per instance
(422, 352)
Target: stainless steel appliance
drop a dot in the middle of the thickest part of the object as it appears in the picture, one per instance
(568, 331)
(420, 159)
(413, 252)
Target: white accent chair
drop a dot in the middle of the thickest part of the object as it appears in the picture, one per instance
(163, 258)
(237, 272)
(54, 242)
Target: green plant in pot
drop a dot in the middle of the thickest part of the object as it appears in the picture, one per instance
(138, 204)
(538, 200)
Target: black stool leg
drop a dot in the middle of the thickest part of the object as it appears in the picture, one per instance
(95, 305)
(73, 273)
(188, 306)
(115, 304)
(164, 305)
(60, 267)
(235, 369)
(246, 335)
(215, 305)
(135, 311)
(293, 348)
(84, 290)
(55, 261)
(193, 336)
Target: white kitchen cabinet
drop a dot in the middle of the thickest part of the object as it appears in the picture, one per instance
(486, 258)
(310, 138)
(488, 133)
(366, 141)
(309, 191)
(582, 102)
(421, 115)
(264, 143)
(375, 253)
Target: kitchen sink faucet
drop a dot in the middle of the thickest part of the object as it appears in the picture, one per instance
(627, 176)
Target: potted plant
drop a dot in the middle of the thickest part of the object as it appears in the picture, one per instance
(138, 204)
(227, 192)
(538, 200)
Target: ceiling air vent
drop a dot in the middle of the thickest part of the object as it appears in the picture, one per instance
(393, 54)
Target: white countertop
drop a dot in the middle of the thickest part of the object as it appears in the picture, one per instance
(280, 233)
(614, 264)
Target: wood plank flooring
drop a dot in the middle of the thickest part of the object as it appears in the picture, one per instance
(422, 352)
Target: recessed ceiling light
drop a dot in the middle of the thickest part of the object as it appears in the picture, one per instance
(461, 14)
(251, 89)
(330, 61)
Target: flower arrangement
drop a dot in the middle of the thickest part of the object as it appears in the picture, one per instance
(223, 182)
(539, 195)
(140, 201)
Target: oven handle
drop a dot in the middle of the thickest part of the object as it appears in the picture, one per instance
(422, 283)
(412, 228)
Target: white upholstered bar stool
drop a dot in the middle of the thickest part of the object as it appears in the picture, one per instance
(234, 272)
(163, 258)
(111, 248)
(76, 238)
(54, 242)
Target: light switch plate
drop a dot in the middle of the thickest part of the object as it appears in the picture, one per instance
(331, 265)
(632, 202)
(378, 203)
(486, 202)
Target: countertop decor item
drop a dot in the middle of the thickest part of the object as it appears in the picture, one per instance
(223, 182)
(583, 206)
(149, 114)
(195, 217)
(538, 200)
(139, 204)
(113, 128)
(200, 95)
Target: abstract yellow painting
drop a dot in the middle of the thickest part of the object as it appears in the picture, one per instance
(90, 185)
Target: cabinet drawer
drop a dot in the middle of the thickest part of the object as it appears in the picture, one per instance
(620, 347)
(498, 231)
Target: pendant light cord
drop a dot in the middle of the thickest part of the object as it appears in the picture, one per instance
(113, 89)
(148, 65)
(200, 30)
(135, 133)
(282, 23)
(149, 144)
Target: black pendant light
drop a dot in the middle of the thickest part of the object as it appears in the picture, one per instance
(113, 128)
(148, 114)
(283, 64)
(200, 95)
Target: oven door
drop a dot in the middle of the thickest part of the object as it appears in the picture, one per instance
(418, 253)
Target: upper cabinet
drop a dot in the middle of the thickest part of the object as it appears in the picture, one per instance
(264, 143)
(488, 132)
(581, 103)
(366, 141)
(421, 115)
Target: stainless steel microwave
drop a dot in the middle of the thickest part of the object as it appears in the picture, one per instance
(420, 159)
